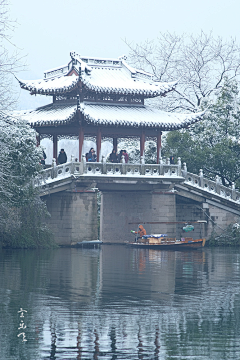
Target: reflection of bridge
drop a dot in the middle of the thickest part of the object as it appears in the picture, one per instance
(132, 193)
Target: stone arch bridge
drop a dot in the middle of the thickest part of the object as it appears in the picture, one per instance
(162, 196)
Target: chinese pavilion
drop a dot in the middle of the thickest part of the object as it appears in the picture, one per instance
(101, 98)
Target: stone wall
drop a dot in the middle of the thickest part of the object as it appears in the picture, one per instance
(121, 212)
(73, 216)
(219, 217)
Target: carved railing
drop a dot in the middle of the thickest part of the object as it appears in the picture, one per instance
(148, 171)
(72, 168)
(211, 186)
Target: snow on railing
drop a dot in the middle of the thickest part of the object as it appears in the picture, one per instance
(72, 168)
(75, 169)
(210, 186)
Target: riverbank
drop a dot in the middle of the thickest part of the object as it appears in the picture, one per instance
(229, 237)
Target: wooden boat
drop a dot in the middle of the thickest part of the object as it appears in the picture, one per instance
(165, 243)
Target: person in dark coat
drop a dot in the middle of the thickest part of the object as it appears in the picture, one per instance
(171, 159)
(43, 158)
(62, 157)
(91, 156)
(114, 156)
(120, 156)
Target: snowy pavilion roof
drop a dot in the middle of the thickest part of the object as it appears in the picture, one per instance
(110, 115)
(52, 114)
(136, 116)
(113, 76)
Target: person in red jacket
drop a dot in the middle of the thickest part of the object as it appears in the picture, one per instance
(126, 157)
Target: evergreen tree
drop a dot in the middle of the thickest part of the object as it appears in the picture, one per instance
(212, 144)
(22, 213)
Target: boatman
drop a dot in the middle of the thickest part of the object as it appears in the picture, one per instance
(141, 232)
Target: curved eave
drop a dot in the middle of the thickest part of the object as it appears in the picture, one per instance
(143, 117)
(58, 86)
(50, 115)
(126, 117)
(50, 89)
(161, 90)
(148, 125)
(58, 122)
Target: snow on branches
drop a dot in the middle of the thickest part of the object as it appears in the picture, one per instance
(199, 62)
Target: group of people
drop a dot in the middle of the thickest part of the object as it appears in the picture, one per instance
(92, 157)
(116, 158)
(62, 157)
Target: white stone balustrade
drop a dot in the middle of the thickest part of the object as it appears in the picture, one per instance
(76, 169)
(211, 186)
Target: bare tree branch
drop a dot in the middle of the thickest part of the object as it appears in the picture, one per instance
(201, 62)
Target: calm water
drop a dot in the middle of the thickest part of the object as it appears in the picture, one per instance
(120, 303)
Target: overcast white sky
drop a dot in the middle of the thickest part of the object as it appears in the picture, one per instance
(49, 29)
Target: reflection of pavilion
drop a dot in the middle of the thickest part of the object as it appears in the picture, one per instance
(102, 98)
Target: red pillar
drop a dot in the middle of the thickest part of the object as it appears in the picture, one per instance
(99, 140)
(80, 143)
(115, 144)
(159, 145)
(142, 144)
(55, 147)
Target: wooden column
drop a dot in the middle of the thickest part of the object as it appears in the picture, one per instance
(115, 144)
(55, 147)
(80, 143)
(99, 140)
(38, 139)
(142, 144)
(159, 145)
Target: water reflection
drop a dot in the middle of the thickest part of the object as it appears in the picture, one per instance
(120, 303)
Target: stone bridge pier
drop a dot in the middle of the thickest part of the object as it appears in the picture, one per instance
(125, 206)
(73, 215)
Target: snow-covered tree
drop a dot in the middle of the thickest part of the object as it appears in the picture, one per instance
(22, 213)
(19, 160)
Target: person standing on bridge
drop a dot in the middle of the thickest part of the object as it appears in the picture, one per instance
(44, 156)
(114, 156)
(62, 157)
(126, 157)
(91, 156)
(171, 160)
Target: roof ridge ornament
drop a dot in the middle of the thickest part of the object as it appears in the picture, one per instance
(123, 57)
(73, 54)
(83, 67)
